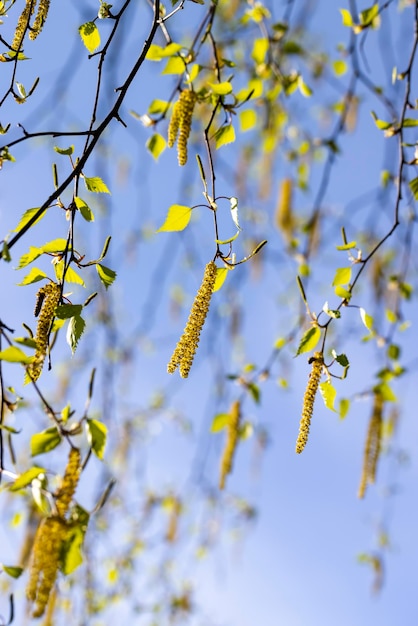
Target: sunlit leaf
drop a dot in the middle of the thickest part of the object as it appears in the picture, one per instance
(247, 119)
(413, 185)
(328, 393)
(156, 53)
(344, 407)
(309, 340)
(27, 216)
(260, 48)
(26, 478)
(45, 441)
(224, 135)
(158, 106)
(175, 65)
(221, 89)
(347, 19)
(84, 209)
(339, 66)
(12, 570)
(71, 554)
(75, 329)
(64, 151)
(106, 275)
(12, 354)
(96, 436)
(71, 276)
(178, 217)
(156, 144)
(342, 276)
(220, 422)
(34, 276)
(234, 211)
(366, 319)
(347, 246)
(96, 185)
(221, 273)
(65, 311)
(90, 36)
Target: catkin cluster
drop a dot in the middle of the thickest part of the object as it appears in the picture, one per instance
(372, 446)
(51, 535)
(47, 299)
(181, 122)
(185, 349)
(231, 442)
(308, 400)
(23, 22)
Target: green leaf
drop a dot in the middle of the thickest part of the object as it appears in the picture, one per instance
(95, 185)
(178, 217)
(309, 340)
(368, 16)
(26, 341)
(158, 106)
(12, 570)
(247, 119)
(71, 276)
(254, 392)
(341, 359)
(29, 257)
(408, 122)
(386, 392)
(347, 246)
(56, 245)
(26, 478)
(224, 135)
(223, 242)
(45, 441)
(347, 19)
(413, 185)
(71, 554)
(34, 276)
(75, 329)
(90, 36)
(193, 73)
(342, 276)
(328, 393)
(65, 151)
(221, 274)
(5, 252)
(65, 311)
(221, 89)
(27, 216)
(12, 354)
(339, 66)
(334, 313)
(84, 209)
(260, 48)
(342, 293)
(156, 53)
(106, 275)
(366, 319)
(156, 144)
(381, 124)
(220, 422)
(174, 65)
(344, 407)
(96, 435)
(304, 89)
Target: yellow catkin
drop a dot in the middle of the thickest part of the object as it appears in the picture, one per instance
(69, 482)
(40, 19)
(308, 400)
(185, 350)
(23, 24)
(45, 561)
(47, 299)
(284, 215)
(181, 122)
(231, 443)
(372, 446)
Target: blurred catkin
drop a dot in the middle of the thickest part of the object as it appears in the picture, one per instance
(186, 347)
(308, 400)
(372, 446)
(231, 442)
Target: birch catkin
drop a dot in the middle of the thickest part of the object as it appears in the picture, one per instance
(231, 443)
(308, 400)
(372, 446)
(181, 122)
(186, 347)
(47, 299)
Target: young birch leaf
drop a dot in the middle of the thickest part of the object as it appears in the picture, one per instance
(366, 319)
(71, 555)
(106, 275)
(178, 217)
(75, 329)
(222, 242)
(413, 184)
(234, 211)
(221, 274)
(96, 185)
(34, 276)
(56, 245)
(221, 89)
(328, 393)
(220, 422)
(224, 135)
(26, 217)
(342, 276)
(175, 65)
(29, 257)
(71, 276)
(66, 311)
(309, 340)
(96, 435)
(26, 478)
(12, 354)
(90, 36)
(12, 570)
(347, 246)
(247, 119)
(156, 144)
(64, 151)
(45, 441)
(84, 209)
(344, 407)
(347, 19)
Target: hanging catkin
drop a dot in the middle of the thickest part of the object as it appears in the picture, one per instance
(181, 122)
(372, 446)
(231, 442)
(308, 400)
(47, 299)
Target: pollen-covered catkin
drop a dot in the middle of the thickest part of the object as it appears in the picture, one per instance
(23, 24)
(40, 19)
(231, 442)
(181, 122)
(69, 482)
(47, 299)
(308, 400)
(185, 349)
(372, 446)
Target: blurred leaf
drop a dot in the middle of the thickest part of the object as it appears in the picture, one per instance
(12, 354)
(221, 89)
(342, 276)
(26, 478)
(45, 441)
(64, 151)
(309, 340)
(220, 422)
(96, 436)
(12, 570)
(344, 407)
(366, 319)
(156, 144)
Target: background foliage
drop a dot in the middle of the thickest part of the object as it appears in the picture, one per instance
(140, 143)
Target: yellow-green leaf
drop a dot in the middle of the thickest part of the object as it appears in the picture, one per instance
(71, 276)
(220, 422)
(90, 36)
(342, 276)
(158, 106)
(84, 209)
(12, 570)
(347, 19)
(260, 48)
(96, 185)
(175, 65)
(75, 329)
(65, 151)
(344, 407)
(12, 354)
(309, 340)
(156, 145)
(34, 276)
(178, 217)
(247, 119)
(26, 478)
(106, 275)
(221, 89)
(96, 436)
(304, 89)
(328, 393)
(366, 319)
(221, 273)
(224, 135)
(339, 66)
(156, 53)
(45, 441)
